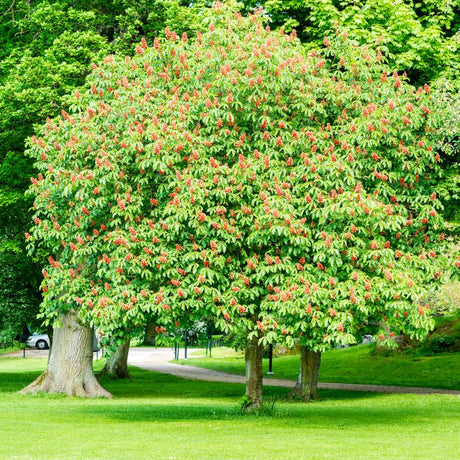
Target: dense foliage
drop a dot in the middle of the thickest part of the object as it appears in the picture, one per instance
(46, 49)
(419, 38)
(291, 195)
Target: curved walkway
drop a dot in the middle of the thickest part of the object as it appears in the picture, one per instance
(157, 360)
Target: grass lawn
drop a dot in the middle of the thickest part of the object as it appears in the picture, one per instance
(356, 365)
(160, 416)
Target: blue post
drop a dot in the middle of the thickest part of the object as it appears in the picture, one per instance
(270, 360)
(176, 350)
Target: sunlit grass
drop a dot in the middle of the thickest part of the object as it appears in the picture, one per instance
(160, 416)
(356, 365)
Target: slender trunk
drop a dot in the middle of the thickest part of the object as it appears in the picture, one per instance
(253, 358)
(70, 365)
(307, 383)
(117, 364)
(150, 334)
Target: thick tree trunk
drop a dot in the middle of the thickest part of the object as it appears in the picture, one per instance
(254, 385)
(307, 383)
(70, 365)
(117, 364)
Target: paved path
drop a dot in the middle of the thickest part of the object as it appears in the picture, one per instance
(157, 361)
(34, 353)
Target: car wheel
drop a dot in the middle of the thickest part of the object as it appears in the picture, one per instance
(41, 345)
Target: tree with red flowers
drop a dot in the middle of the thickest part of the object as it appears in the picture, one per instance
(289, 195)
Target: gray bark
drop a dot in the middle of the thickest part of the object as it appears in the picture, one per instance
(307, 382)
(70, 365)
(254, 382)
(117, 364)
(150, 334)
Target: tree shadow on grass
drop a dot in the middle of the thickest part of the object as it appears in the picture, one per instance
(11, 382)
(17, 373)
(150, 396)
(171, 398)
(148, 384)
(145, 384)
(341, 414)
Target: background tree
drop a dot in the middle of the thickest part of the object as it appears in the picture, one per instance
(419, 38)
(117, 362)
(448, 93)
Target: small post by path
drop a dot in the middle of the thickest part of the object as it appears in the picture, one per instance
(270, 360)
(176, 350)
(185, 344)
(209, 340)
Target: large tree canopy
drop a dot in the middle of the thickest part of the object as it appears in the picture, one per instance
(291, 195)
(48, 46)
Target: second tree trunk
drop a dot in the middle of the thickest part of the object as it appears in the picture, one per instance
(254, 384)
(117, 363)
(307, 383)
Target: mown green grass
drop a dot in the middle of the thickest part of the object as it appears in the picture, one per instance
(359, 365)
(160, 416)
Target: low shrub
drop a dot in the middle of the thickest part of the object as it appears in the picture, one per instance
(440, 344)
